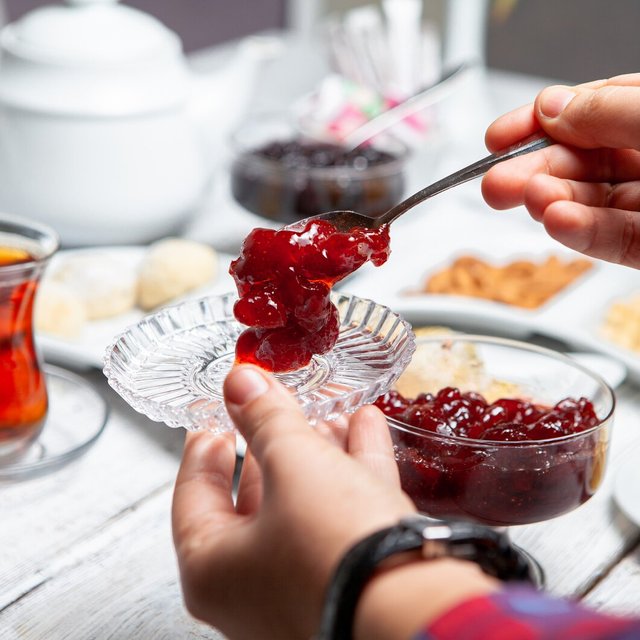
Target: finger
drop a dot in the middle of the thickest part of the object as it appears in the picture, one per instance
(511, 128)
(202, 499)
(625, 196)
(249, 486)
(370, 443)
(270, 419)
(335, 431)
(589, 118)
(523, 121)
(542, 190)
(504, 184)
(605, 233)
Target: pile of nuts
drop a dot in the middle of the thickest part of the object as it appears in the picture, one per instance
(521, 283)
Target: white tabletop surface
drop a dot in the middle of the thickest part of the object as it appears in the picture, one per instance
(86, 551)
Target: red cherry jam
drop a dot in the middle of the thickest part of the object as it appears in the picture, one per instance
(470, 459)
(284, 279)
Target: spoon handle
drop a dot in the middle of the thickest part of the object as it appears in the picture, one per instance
(464, 175)
(419, 101)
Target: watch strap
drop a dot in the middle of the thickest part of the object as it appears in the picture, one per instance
(489, 548)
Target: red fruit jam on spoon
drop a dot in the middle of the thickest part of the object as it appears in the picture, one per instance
(284, 279)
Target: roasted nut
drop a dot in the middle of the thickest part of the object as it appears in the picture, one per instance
(521, 283)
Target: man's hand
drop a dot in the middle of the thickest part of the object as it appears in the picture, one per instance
(585, 189)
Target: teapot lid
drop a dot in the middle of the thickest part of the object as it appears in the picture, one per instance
(88, 31)
(91, 58)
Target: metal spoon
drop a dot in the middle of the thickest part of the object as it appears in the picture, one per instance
(344, 221)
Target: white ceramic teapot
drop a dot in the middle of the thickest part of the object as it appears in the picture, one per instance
(105, 134)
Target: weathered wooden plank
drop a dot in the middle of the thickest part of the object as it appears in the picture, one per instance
(41, 519)
(619, 591)
(120, 583)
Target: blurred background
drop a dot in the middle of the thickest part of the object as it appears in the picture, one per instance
(573, 40)
(329, 65)
(153, 167)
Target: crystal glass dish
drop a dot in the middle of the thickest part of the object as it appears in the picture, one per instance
(172, 364)
(496, 482)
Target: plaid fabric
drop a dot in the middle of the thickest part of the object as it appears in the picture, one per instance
(521, 613)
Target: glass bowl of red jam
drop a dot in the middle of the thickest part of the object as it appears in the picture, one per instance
(521, 437)
(280, 175)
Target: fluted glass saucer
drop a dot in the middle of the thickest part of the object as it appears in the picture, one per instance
(76, 418)
(172, 364)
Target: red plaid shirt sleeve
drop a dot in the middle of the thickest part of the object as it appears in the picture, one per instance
(521, 613)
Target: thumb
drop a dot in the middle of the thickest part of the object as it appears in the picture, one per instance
(593, 116)
(267, 415)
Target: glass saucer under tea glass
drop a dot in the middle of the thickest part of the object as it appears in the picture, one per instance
(76, 417)
(172, 364)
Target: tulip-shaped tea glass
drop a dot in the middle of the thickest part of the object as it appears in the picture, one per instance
(25, 249)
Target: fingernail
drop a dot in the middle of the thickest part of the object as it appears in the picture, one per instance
(554, 100)
(244, 384)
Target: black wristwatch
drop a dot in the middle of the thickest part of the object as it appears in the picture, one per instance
(489, 548)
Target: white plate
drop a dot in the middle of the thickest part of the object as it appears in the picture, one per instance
(87, 350)
(627, 486)
(424, 245)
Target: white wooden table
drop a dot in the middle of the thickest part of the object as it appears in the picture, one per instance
(86, 552)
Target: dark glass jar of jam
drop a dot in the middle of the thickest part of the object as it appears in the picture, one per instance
(279, 175)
